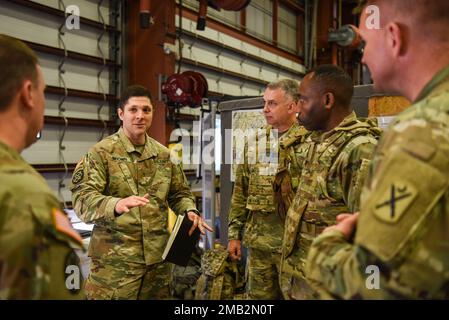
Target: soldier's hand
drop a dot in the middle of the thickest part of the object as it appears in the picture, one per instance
(346, 224)
(126, 204)
(343, 216)
(198, 222)
(235, 249)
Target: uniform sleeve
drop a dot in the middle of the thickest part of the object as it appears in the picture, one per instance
(16, 259)
(238, 212)
(180, 198)
(338, 269)
(399, 249)
(33, 260)
(89, 182)
(353, 169)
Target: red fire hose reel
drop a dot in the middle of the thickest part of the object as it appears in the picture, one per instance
(185, 89)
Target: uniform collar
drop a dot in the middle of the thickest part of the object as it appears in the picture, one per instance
(290, 131)
(10, 152)
(292, 135)
(149, 150)
(434, 84)
(319, 136)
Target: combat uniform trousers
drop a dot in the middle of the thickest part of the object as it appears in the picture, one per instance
(128, 281)
(263, 269)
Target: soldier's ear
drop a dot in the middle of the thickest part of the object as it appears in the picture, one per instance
(293, 107)
(395, 39)
(26, 94)
(120, 113)
(329, 100)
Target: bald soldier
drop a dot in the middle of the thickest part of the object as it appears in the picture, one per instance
(397, 247)
(37, 243)
(335, 158)
(124, 185)
(257, 212)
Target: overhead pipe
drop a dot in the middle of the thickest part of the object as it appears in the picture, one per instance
(313, 41)
(202, 12)
(306, 32)
(335, 26)
(145, 16)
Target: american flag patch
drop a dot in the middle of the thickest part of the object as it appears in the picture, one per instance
(63, 225)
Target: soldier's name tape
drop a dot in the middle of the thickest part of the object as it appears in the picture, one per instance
(224, 309)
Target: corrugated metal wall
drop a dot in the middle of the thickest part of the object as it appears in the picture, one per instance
(82, 71)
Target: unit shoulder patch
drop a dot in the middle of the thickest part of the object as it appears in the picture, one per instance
(394, 202)
(62, 224)
(78, 175)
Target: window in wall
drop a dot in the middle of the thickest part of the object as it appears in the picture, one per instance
(287, 29)
(192, 4)
(231, 18)
(259, 19)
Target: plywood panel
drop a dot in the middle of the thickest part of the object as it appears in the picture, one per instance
(386, 105)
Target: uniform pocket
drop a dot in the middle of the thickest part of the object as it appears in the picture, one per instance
(160, 181)
(261, 194)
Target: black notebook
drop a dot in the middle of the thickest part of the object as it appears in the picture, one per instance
(180, 245)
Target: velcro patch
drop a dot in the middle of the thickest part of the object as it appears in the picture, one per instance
(63, 225)
(395, 201)
(117, 158)
(268, 169)
(78, 175)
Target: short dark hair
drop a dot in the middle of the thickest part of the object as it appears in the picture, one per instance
(331, 78)
(133, 91)
(17, 64)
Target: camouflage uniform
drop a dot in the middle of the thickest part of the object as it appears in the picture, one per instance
(335, 165)
(403, 222)
(126, 249)
(37, 242)
(253, 214)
